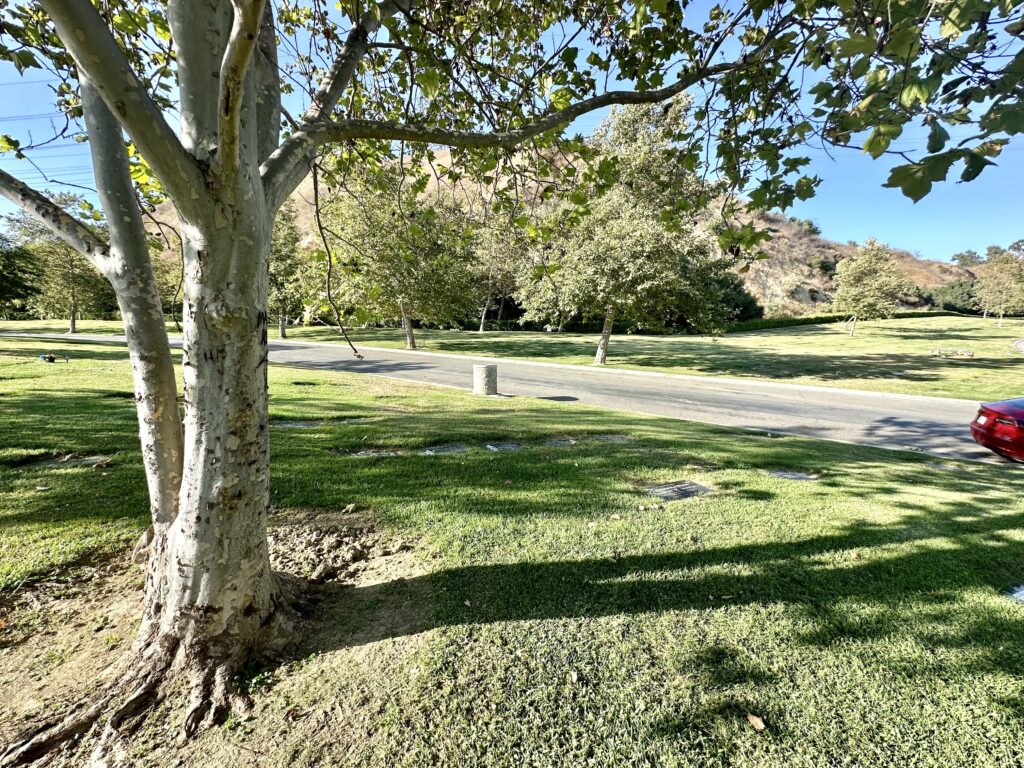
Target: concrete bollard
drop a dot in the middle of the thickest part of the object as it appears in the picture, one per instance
(485, 379)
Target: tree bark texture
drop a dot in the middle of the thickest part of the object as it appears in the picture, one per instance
(410, 336)
(606, 333)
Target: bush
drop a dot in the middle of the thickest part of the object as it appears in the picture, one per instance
(956, 297)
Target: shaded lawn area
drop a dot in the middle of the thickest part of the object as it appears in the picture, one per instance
(889, 355)
(862, 616)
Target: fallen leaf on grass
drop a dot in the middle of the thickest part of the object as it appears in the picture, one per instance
(756, 722)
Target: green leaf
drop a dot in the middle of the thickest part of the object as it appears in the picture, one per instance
(914, 92)
(881, 138)
(937, 138)
(429, 81)
(915, 179)
(974, 164)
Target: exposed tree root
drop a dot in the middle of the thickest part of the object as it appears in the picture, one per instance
(154, 669)
(131, 692)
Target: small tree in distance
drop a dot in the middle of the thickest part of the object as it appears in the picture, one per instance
(967, 259)
(869, 285)
(66, 284)
(1000, 283)
(284, 287)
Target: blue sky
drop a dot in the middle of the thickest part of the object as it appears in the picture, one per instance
(850, 205)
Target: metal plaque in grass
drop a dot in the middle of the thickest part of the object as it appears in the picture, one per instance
(558, 442)
(677, 489)
(441, 450)
(503, 447)
(376, 454)
(792, 474)
(613, 438)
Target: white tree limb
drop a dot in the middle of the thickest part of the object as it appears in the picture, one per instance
(57, 220)
(290, 163)
(130, 272)
(237, 55)
(97, 55)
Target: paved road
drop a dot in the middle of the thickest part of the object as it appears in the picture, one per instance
(937, 426)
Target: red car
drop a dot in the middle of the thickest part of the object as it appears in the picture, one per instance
(1000, 428)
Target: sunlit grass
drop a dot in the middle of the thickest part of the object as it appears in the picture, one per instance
(862, 616)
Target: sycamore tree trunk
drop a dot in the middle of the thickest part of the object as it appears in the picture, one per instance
(606, 334)
(410, 337)
(217, 589)
(282, 326)
(73, 314)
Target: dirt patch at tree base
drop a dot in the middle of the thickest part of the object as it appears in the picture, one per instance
(62, 641)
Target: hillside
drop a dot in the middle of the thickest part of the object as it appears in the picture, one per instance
(797, 279)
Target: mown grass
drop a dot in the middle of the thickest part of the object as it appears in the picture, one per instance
(888, 355)
(557, 623)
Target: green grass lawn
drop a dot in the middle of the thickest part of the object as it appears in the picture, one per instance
(889, 355)
(556, 618)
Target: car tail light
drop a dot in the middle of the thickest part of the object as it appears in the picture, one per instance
(1015, 423)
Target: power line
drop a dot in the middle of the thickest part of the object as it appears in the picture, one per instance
(27, 82)
(40, 116)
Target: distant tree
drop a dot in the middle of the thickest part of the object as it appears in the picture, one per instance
(624, 264)
(1000, 283)
(957, 296)
(284, 287)
(630, 260)
(967, 259)
(822, 263)
(807, 226)
(21, 271)
(403, 258)
(869, 286)
(499, 245)
(67, 285)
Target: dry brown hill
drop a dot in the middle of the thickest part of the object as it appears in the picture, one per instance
(797, 279)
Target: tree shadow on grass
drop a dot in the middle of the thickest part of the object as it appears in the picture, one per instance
(914, 593)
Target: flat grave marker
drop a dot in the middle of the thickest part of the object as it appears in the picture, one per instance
(677, 489)
(441, 450)
(556, 442)
(503, 447)
(792, 474)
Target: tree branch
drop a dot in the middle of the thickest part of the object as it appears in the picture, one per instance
(57, 220)
(287, 166)
(342, 130)
(245, 27)
(97, 55)
(131, 275)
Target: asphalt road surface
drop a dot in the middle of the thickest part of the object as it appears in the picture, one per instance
(937, 426)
